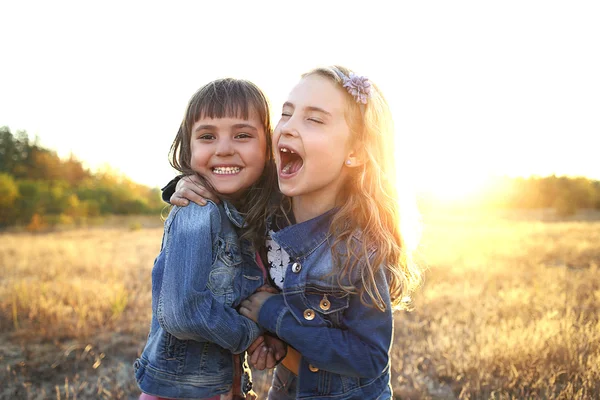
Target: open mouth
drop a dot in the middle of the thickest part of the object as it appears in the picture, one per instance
(226, 170)
(291, 162)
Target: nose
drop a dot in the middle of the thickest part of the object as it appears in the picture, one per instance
(224, 148)
(288, 127)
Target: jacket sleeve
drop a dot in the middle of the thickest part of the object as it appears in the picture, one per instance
(169, 189)
(187, 309)
(359, 350)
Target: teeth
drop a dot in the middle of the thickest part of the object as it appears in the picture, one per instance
(226, 170)
(284, 150)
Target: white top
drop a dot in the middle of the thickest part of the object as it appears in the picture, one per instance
(278, 260)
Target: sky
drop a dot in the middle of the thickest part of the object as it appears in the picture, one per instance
(477, 88)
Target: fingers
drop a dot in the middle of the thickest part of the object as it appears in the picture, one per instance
(270, 361)
(255, 358)
(246, 311)
(279, 354)
(261, 361)
(279, 347)
(178, 201)
(188, 180)
(190, 188)
(247, 304)
(196, 195)
(259, 340)
(193, 189)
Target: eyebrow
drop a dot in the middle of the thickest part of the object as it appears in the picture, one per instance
(240, 126)
(214, 127)
(308, 108)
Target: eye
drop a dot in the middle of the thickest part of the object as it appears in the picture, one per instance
(286, 114)
(318, 121)
(206, 136)
(243, 135)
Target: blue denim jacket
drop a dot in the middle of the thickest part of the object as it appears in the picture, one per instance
(201, 275)
(345, 345)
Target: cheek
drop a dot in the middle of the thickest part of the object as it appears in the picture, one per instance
(198, 155)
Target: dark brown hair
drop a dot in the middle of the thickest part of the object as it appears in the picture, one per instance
(231, 98)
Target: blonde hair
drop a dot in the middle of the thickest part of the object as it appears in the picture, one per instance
(371, 203)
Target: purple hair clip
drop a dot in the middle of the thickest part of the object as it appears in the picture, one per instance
(358, 86)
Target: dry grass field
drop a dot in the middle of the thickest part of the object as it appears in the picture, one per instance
(509, 310)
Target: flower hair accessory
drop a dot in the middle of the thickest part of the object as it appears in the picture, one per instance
(358, 86)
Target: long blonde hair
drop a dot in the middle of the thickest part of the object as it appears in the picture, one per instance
(371, 203)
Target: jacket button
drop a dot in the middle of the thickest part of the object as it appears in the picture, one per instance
(312, 368)
(309, 314)
(325, 304)
(296, 267)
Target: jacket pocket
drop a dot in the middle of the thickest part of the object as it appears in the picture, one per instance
(220, 283)
(329, 305)
(229, 253)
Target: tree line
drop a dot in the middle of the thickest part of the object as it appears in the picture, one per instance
(566, 195)
(38, 187)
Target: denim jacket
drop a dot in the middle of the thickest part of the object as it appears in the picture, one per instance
(201, 275)
(345, 345)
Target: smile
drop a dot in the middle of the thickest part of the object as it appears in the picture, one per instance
(226, 170)
(291, 162)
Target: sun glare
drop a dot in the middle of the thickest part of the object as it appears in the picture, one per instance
(454, 187)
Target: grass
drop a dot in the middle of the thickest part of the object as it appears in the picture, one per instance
(509, 310)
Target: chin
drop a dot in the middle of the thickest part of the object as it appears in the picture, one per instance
(288, 191)
(226, 191)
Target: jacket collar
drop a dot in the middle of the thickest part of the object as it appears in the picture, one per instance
(298, 240)
(234, 215)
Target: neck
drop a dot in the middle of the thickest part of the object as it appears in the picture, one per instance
(307, 207)
(237, 201)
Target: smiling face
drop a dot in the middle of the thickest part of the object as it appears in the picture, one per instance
(312, 141)
(229, 152)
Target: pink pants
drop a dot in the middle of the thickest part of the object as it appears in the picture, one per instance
(145, 396)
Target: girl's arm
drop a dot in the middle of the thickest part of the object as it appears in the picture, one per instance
(187, 309)
(360, 350)
(183, 189)
(170, 188)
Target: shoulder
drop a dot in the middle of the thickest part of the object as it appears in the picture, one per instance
(194, 215)
(360, 242)
(362, 252)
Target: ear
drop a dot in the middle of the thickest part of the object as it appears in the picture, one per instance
(355, 158)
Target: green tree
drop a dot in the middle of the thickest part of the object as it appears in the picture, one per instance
(8, 194)
(8, 150)
(29, 201)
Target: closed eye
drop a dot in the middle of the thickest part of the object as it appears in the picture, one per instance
(318, 121)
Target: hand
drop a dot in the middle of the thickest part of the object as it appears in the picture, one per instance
(266, 351)
(250, 308)
(189, 188)
(269, 354)
(251, 395)
(267, 288)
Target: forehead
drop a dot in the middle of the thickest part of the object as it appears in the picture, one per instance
(317, 91)
(230, 121)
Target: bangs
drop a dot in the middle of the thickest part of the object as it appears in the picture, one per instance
(227, 99)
